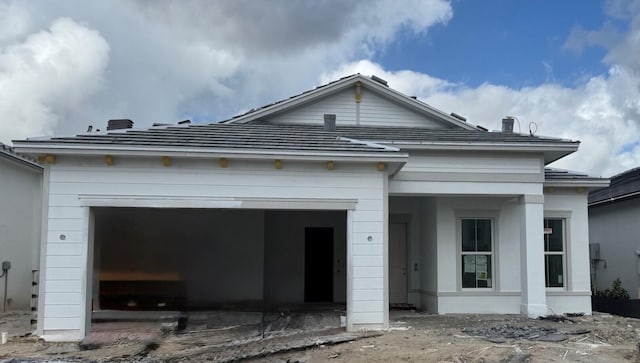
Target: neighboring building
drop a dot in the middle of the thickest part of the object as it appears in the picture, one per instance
(351, 193)
(614, 233)
(20, 216)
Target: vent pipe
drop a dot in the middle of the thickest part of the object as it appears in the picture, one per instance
(507, 124)
(329, 122)
(118, 124)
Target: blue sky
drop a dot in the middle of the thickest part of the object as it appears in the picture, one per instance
(571, 67)
(514, 43)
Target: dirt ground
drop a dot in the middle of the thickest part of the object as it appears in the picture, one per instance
(412, 337)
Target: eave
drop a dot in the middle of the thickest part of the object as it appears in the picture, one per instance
(202, 152)
(551, 151)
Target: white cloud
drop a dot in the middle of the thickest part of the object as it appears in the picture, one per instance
(603, 113)
(170, 59)
(47, 77)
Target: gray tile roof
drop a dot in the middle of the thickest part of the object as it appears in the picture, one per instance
(560, 174)
(290, 137)
(416, 134)
(624, 185)
(8, 152)
(226, 136)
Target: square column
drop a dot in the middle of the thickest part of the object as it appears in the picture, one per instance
(532, 286)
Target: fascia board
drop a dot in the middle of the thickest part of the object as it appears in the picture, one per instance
(591, 184)
(421, 145)
(20, 162)
(207, 153)
(615, 199)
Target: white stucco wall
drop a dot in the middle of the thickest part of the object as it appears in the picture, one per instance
(20, 203)
(438, 248)
(76, 184)
(571, 203)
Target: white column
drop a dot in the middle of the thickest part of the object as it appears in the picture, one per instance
(533, 295)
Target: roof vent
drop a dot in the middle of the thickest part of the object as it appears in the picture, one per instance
(118, 124)
(329, 122)
(184, 122)
(379, 80)
(507, 124)
(459, 117)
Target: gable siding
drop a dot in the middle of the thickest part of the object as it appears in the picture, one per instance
(66, 258)
(375, 110)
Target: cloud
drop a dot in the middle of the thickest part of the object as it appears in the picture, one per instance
(603, 112)
(167, 60)
(48, 76)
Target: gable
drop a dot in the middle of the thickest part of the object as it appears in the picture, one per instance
(356, 100)
(372, 110)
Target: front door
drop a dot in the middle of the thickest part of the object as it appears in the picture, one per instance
(397, 263)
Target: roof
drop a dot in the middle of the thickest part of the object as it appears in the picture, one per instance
(231, 138)
(567, 178)
(373, 83)
(10, 154)
(625, 185)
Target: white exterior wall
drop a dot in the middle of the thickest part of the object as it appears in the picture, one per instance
(571, 204)
(374, 110)
(440, 255)
(20, 203)
(76, 184)
(504, 297)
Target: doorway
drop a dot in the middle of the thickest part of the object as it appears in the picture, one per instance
(397, 263)
(318, 264)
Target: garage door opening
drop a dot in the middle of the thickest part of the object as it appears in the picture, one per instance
(187, 260)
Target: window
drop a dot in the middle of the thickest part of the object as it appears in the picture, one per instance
(554, 238)
(477, 244)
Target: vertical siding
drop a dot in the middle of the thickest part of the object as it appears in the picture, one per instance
(66, 260)
(375, 110)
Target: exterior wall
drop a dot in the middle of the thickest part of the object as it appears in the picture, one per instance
(75, 185)
(477, 166)
(374, 110)
(571, 204)
(615, 227)
(20, 203)
(505, 295)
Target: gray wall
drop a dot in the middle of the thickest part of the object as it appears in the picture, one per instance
(20, 215)
(616, 227)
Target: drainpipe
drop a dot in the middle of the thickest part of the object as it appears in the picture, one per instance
(6, 265)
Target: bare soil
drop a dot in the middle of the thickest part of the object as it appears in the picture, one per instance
(412, 337)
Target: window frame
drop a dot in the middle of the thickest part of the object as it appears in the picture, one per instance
(480, 215)
(565, 217)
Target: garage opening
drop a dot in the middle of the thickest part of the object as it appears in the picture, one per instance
(188, 260)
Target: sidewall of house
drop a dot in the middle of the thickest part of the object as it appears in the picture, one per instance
(20, 202)
(615, 227)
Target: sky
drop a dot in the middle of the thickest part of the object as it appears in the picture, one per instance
(566, 69)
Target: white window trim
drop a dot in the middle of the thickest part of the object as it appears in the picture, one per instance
(479, 214)
(566, 216)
